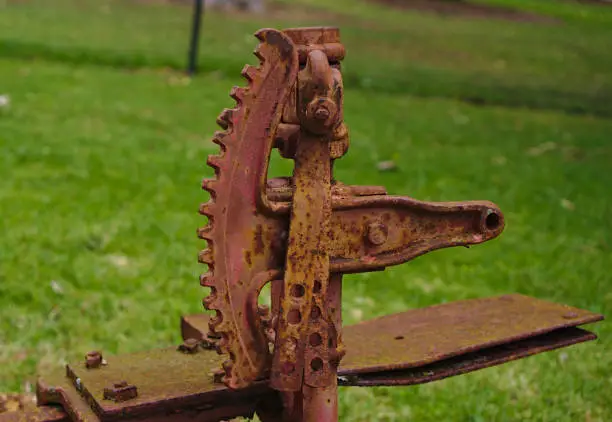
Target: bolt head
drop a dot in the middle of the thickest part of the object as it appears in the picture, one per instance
(377, 233)
(321, 114)
(93, 360)
(189, 346)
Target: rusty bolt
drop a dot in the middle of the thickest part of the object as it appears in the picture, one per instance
(321, 113)
(191, 346)
(93, 359)
(377, 233)
(217, 376)
(121, 391)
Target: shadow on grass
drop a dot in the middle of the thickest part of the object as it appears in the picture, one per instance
(474, 89)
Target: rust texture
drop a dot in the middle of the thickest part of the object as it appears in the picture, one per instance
(93, 360)
(300, 235)
(120, 391)
(412, 347)
(299, 232)
(453, 338)
(295, 231)
(171, 385)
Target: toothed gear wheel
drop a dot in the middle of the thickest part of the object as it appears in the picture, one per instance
(237, 260)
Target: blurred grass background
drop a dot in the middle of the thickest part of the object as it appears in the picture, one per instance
(103, 147)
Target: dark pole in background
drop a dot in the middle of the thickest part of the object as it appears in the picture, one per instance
(195, 37)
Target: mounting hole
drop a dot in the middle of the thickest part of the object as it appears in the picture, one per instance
(492, 221)
(294, 316)
(298, 290)
(316, 364)
(317, 287)
(315, 339)
(288, 368)
(315, 312)
(399, 337)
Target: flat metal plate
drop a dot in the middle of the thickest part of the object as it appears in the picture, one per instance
(413, 347)
(423, 336)
(167, 381)
(469, 362)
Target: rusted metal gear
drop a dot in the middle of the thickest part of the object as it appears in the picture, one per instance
(301, 234)
(241, 249)
(251, 217)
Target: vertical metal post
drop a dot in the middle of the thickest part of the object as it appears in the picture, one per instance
(198, 9)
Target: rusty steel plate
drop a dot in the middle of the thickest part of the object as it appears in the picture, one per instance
(469, 362)
(423, 336)
(167, 381)
(413, 347)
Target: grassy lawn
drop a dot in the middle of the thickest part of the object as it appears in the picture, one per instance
(103, 148)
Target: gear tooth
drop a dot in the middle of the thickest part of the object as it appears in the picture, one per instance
(222, 345)
(206, 256)
(261, 34)
(225, 119)
(223, 326)
(210, 185)
(207, 280)
(207, 209)
(221, 138)
(215, 321)
(258, 52)
(249, 73)
(237, 93)
(210, 302)
(206, 233)
(215, 161)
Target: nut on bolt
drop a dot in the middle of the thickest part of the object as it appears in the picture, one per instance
(121, 391)
(94, 360)
(190, 346)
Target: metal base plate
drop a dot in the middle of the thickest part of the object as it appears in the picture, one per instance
(412, 347)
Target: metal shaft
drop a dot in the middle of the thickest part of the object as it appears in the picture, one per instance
(192, 64)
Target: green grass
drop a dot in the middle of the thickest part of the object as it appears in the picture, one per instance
(103, 148)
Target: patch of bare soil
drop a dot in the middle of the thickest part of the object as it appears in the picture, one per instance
(464, 8)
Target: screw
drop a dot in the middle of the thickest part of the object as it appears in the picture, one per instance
(94, 360)
(570, 315)
(189, 346)
(78, 384)
(377, 233)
